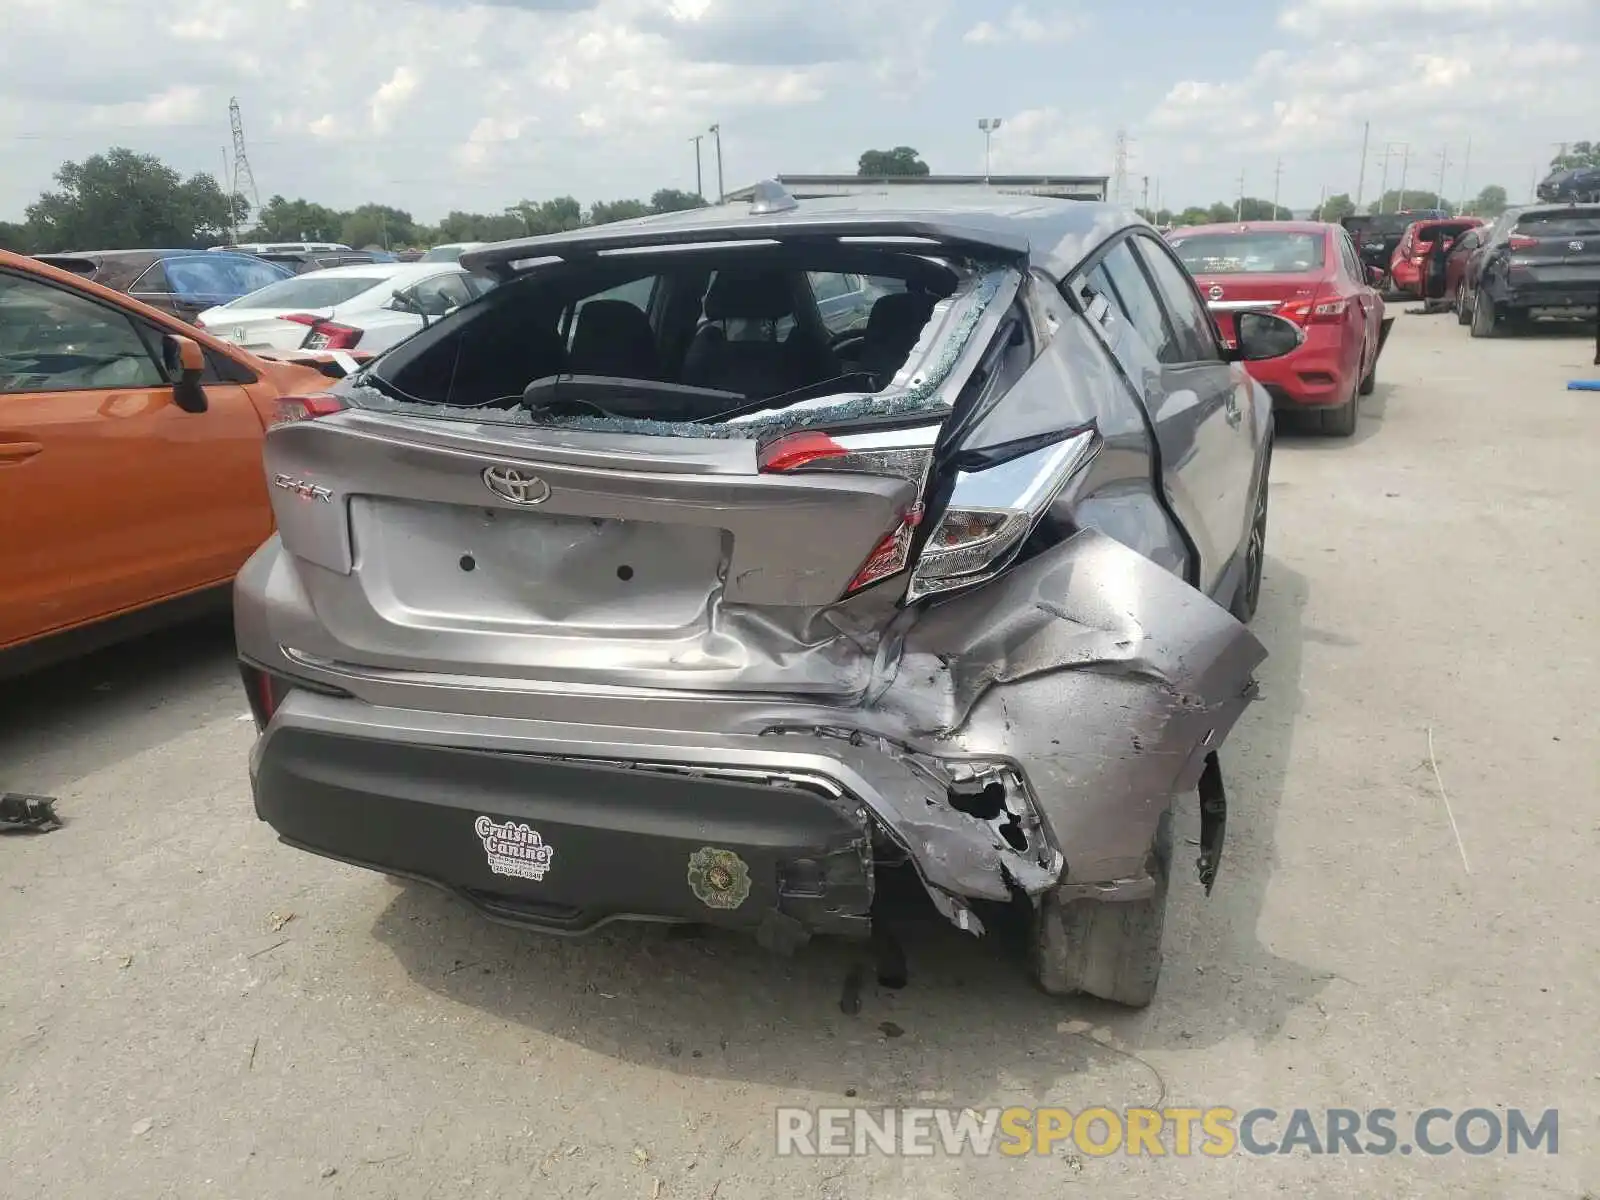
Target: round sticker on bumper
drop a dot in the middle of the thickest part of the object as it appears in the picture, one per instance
(719, 878)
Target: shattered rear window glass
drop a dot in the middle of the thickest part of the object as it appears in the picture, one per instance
(921, 395)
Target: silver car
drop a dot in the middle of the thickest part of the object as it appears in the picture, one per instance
(631, 591)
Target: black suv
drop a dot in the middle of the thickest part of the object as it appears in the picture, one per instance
(1537, 261)
(1571, 186)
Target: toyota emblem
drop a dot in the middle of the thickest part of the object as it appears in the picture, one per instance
(1216, 291)
(516, 485)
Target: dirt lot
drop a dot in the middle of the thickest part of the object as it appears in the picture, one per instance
(188, 1009)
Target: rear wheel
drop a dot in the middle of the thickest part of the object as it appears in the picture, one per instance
(1370, 381)
(1485, 322)
(1463, 313)
(1341, 420)
(1109, 949)
(1248, 596)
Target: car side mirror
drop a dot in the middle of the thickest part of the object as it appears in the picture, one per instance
(405, 301)
(1263, 335)
(185, 364)
(1375, 276)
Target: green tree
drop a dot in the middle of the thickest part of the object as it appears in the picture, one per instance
(672, 200)
(1490, 202)
(902, 160)
(549, 216)
(603, 212)
(1579, 154)
(1195, 216)
(1414, 199)
(283, 220)
(1336, 208)
(377, 225)
(122, 200)
(1221, 213)
(15, 237)
(1252, 209)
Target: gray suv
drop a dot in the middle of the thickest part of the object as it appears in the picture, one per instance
(583, 608)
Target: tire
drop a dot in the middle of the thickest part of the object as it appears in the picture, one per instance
(1109, 949)
(1369, 384)
(1484, 322)
(1341, 421)
(1463, 313)
(1247, 598)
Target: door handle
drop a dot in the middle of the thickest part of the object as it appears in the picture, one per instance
(18, 451)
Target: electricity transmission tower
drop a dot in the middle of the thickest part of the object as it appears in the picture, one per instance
(243, 177)
(1119, 169)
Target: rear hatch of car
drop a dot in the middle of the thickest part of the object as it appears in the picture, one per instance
(284, 315)
(1557, 250)
(741, 561)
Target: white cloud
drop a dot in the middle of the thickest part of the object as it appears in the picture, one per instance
(391, 97)
(1490, 71)
(1348, 16)
(1020, 25)
(176, 104)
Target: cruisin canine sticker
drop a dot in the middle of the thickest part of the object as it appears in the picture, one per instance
(514, 849)
(719, 878)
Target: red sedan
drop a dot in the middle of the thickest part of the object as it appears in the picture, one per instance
(1308, 272)
(1410, 256)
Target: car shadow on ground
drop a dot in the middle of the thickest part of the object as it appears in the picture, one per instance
(967, 1022)
(1300, 430)
(113, 702)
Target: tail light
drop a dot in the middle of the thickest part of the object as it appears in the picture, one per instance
(325, 334)
(1518, 241)
(891, 554)
(992, 510)
(266, 691)
(901, 453)
(308, 407)
(1315, 311)
(898, 453)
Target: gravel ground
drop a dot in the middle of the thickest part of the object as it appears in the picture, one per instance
(188, 1009)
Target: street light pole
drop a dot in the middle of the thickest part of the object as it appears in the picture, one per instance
(699, 186)
(988, 125)
(716, 133)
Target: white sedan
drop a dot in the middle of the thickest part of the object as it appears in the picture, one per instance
(370, 306)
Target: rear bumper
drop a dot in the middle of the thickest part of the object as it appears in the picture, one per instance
(1577, 297)
(567, 845)
(1316, 375)
(992, 756)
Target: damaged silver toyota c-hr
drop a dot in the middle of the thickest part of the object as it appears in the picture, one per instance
(633, 590)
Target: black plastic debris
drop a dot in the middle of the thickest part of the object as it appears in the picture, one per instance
(20, 813)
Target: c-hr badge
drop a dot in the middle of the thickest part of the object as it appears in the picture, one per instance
(719, 878)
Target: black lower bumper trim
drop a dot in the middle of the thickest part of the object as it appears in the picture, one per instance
(566, 846)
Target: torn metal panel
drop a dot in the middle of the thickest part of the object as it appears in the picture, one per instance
(1104, 677)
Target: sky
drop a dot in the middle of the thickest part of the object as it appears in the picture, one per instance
(434, 105)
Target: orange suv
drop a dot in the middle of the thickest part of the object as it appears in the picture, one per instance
(131, 484)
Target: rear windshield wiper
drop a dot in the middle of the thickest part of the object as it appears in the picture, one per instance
(594, 395)
(855, 381)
